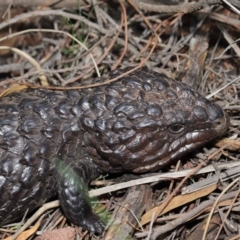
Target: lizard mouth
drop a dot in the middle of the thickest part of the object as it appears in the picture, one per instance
(192, 141)
(167, 160)
(221, 124)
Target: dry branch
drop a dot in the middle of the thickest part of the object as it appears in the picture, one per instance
(184, 7)
(43, 3)
(146, 5)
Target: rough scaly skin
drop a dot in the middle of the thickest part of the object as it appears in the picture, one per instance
(53, 142)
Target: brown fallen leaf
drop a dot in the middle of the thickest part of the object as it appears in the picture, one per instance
(176, 202)
(212, 229)
(67, 233)
(230, 144)
(11, 41)
(26, 234)
(13, 88)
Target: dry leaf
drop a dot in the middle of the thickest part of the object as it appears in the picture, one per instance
(230, 144)
(10, 42)
(13, 88)
(67, 233)
(26, 234)
(212, 229)
(176, 202)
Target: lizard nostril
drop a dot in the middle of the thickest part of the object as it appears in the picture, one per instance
(221, 124)
(218, 122)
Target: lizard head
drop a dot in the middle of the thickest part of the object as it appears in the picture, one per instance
(146, 120)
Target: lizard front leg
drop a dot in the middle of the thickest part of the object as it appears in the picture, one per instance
(73, 193)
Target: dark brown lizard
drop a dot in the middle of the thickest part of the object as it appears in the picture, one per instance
(53, 142)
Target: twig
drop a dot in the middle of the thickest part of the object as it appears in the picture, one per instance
(46, 3)
(216, 201)
(124, 20)
(185, 217)
(183, 8)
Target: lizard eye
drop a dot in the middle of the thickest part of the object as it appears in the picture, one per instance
(176, 128)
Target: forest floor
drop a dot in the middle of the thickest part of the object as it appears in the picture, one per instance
(50, 46)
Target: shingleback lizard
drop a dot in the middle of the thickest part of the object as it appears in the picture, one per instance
(52, 142)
